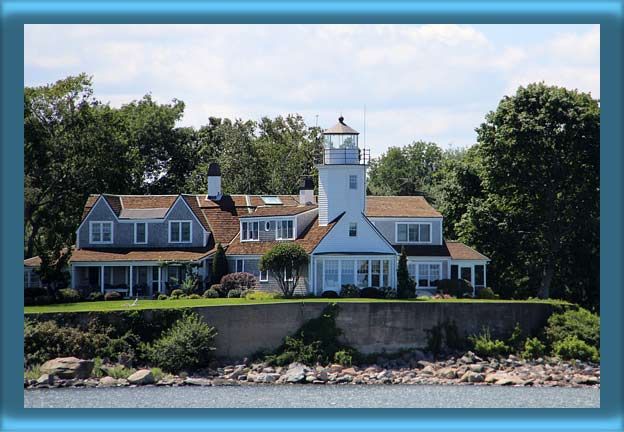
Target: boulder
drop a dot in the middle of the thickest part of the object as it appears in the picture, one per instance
(141, 377)
(107, 381)
(349, 371)
(384, 375)
(45, 379)
(266, 378)
(236, 373)
(505, 379)
(224, 382)
(428, 370)
(586, 379)
(68, 367)
(198, 382)
(472, 377)
(447, 373)
(296, 373)
(345, 379)
(477, 367)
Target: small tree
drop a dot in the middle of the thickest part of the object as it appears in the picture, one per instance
(219, 264)
(406, 287)
(285, 263)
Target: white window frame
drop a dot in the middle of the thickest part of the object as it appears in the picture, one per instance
(353, 182)
(428, 264)
(180, 231)
(279, 229)
(353, 225)
(245, 228)
(264, 276)
(101, 223)
(136, 224)
(396, 233)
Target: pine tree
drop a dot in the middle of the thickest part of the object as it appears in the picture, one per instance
(406, 287)
(219, 265)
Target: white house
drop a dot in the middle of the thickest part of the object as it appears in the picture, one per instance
(141, 245)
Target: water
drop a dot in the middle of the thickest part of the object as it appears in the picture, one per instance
(350, 396)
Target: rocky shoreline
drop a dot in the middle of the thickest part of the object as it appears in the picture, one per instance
(468, 369)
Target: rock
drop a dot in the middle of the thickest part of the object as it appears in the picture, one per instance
(510, 380)
(476, 368)
(239, 371)
(423, 363)
(345, 379)
(266, 378)
(141, 377)
(447, 373)
(296, 373)
(428, 370)
(224, 382)
(334, 368)
(322, 375)
(107, 381)
(198, 382)
(384, 375)
(45, 379)
(472, 377)
(310, 378)
(467, 358)
(586, 379)
(268, 369)
(349, 371)
(68, 367)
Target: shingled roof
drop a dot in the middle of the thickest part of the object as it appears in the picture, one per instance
(450, 249)
(399, 206)
(114, 254)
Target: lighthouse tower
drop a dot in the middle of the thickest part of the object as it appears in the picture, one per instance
(342, 173)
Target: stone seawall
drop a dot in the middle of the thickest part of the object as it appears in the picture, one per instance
(369, 327)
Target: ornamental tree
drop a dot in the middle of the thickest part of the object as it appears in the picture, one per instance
(219, 264)
(285, 262)
(406, 287)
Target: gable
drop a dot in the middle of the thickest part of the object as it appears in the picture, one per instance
(367, 241)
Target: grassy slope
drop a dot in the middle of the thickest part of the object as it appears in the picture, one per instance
(183, 303)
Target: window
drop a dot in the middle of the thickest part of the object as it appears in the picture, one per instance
(101, 232)
(331, 274)
(267, 226)
(362, 273)
(376, 273)
(352, 182)
(285, 230)
(140, 233)
(385, 281)
(264, 276)
(250, 231)
(479, 275)
(347, 272)
(413, 233)
(426, 275)
(352, 229)
(272, 200)
(240, 265)
(180, 231)
(454, 272)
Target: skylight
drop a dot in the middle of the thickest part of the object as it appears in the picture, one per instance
(271, 200)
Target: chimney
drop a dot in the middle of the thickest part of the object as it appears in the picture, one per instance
(306, 191)
(214, 182)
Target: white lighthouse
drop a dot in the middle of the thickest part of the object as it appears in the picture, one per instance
(342, 173)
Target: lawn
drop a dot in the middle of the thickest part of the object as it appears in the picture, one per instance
(186, 303)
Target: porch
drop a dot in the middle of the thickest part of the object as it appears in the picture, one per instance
(130, 280)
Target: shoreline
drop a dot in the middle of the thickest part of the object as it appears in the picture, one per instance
(466, 370)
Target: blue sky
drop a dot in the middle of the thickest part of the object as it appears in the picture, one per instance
(430, 82)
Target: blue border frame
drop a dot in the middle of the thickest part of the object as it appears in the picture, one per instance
(16, 13)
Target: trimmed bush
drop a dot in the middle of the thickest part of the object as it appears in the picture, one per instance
(486, 294)
(194, 297)
(580, 323)
(68, 295)
(573, 348)
(240, 281)
(372, 293)
(260, 295)
(177, 294)
(234, 293)
(187, 345)
(112, 295)
(211, 293)
(483, 344)
(455, 287)
(329, 294)
(95, 296)
(533, 348)
(349, 291)
(388, 293)
(406, 286)
(162, 297)
(218, 289)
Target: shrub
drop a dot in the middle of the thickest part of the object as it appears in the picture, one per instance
(68, 295)
(43, 300)
(259, 295)
(157, 373)
(32, 372)
(371, 292)
(218, 289)
(119, 371)
(329, 294)
(349, 291)
(194, 297)
(190, 284)
(486, 294)
(95, 296)
(211, 293)
(241, 281)
(580, 323)
(219, 264)
(533, 348)
(485, 346)
(162, 297)
(343, 358)
(176, 294)
(406, 286)
(112, 295)
(455, 287)
(515, 340)
(388, 293)
(187, 345)
(235, 293)
(574, 348)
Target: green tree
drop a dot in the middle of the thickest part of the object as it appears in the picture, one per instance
(406, 286)
(539, 213)
(219, 264)
(285, 262)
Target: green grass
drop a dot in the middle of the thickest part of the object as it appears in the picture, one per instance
(103, 306)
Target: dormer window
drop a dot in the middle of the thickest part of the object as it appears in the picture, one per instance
(250, 231)
(285, 230)
(413, 233)
(100, 232)
(140, 233)
(180, 232)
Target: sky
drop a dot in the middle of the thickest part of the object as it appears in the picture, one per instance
(415, 82)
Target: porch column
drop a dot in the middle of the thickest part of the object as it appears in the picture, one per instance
(72, 277)
(130, 284)
(102, 279)
(159, 279)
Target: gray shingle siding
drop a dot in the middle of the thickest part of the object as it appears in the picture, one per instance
(271, 285)
(123, 232)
